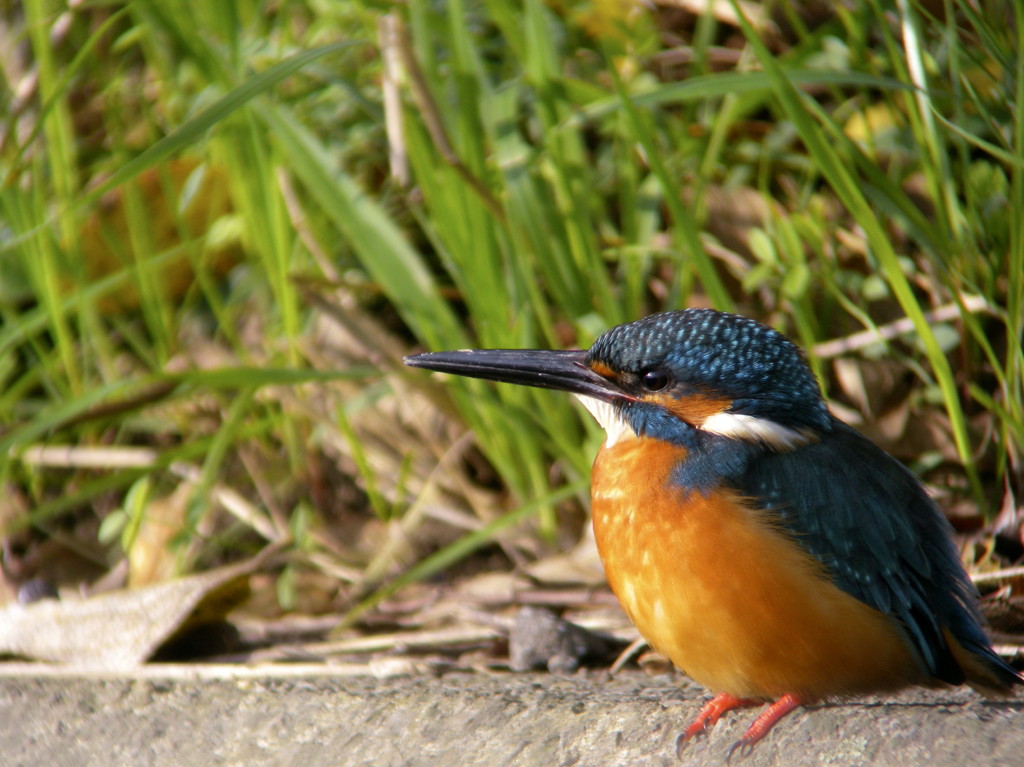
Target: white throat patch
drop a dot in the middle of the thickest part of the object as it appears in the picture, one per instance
(750, 428)
(611, 421)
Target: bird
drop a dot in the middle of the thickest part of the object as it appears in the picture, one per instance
(770, 551)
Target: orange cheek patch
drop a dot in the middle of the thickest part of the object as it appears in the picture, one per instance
(602, 370)
(694, 409)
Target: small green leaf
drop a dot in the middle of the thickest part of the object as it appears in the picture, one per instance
(762, 247)
(111, 526)
(136, 501)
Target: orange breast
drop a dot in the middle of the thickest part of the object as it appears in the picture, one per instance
(728, 597)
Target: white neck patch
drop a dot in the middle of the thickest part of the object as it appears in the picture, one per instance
(608, 416)
(750, 428)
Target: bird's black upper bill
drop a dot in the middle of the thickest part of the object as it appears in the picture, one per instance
(561, 370)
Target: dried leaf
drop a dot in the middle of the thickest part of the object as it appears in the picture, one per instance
(850, 378)
(580, 566)
(119, 630)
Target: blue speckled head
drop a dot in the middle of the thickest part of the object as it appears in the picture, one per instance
(761, 371)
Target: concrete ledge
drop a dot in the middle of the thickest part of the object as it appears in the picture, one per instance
(315, 717)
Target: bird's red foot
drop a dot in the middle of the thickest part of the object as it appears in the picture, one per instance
(763, 724)
(709, 714)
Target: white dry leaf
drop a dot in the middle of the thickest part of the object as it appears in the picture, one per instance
(118, 630)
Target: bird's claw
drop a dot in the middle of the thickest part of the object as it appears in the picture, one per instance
(709, 714)
(745, 747)
(686, 736)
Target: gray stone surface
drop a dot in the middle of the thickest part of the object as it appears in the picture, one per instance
(316, 719)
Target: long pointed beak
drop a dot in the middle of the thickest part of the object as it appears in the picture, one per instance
(545, 369)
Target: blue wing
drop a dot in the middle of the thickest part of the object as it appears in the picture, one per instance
(867, 519)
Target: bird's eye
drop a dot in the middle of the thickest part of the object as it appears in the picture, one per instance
(655, 380)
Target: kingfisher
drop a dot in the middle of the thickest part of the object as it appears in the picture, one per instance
(771, 552)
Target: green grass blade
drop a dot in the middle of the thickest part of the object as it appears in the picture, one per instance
(194, 129)
(799, 110)
(377, 242)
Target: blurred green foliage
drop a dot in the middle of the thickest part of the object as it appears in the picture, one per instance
(499, 174)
